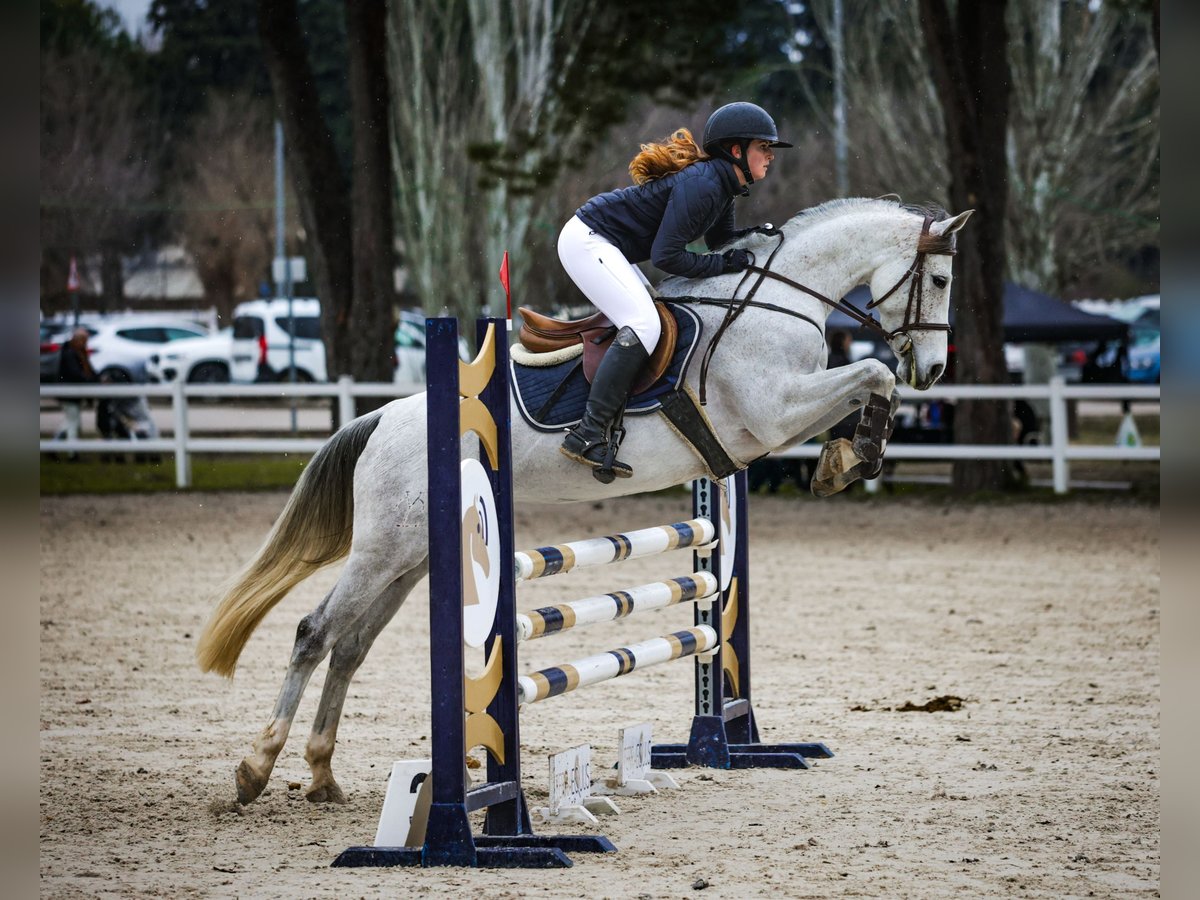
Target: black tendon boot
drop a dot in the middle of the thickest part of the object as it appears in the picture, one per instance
(594, 441)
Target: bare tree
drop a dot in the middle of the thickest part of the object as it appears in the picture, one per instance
(373, 322)
(432, 112)
(1082, 147)
(320, 185)
(968, 55)
(225, 198)
(472, 144)
(1083, 144)
(896, 134)
(517, 49)
(94, 169)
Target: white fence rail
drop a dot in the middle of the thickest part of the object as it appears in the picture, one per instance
(182, 443)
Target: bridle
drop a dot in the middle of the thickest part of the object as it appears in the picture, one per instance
(915, 275)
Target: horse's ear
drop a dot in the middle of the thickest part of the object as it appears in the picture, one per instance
(949, 226)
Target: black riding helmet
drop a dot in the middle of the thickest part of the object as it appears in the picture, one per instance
(743, 122)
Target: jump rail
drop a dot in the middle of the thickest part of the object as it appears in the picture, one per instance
(615, 605)
(546, 561)
(468, 511)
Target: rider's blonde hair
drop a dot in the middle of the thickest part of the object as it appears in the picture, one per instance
(670, 155)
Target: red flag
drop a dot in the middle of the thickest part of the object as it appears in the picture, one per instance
(73, 277)
(507, 290)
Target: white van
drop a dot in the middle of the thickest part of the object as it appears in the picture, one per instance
(261, 341)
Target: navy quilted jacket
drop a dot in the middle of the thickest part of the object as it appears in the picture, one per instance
(658, 219)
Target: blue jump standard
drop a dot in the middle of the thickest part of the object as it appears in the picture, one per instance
(709, 746)
(528, 851)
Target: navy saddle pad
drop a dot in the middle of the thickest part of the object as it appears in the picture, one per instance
(552, 398)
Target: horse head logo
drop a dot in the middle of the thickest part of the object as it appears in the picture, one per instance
(475, 530)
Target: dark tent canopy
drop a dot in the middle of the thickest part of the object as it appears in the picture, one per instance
(1029, 317)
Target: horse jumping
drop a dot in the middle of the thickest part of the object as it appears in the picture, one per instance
(365, 492)
(473, 604)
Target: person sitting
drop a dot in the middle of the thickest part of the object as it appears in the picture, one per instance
(682, 191)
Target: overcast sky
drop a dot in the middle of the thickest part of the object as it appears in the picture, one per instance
(132, 11)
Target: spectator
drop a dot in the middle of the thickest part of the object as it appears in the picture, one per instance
(839, 349)
(74, 367)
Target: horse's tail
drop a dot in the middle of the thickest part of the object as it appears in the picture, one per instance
(314, 530)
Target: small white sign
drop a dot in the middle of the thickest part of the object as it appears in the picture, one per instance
(480, 554)
(634, 775)
(634, 761)
(280, 266)
(571, 797)
(406, 804)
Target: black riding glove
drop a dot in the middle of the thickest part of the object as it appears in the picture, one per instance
(736, 260)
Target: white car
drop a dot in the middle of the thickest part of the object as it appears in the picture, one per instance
(262, 342)
(125, 343)
(199, 360)
(410, 353)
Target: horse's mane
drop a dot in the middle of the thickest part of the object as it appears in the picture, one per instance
(837, 208)
(832, 209)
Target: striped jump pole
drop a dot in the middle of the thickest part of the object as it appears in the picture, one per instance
(562, 679)
(615, 605)
(546, 561)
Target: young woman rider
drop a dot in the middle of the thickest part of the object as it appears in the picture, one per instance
(681, 192)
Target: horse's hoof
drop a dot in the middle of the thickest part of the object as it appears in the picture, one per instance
(249, 783)
(326, 792)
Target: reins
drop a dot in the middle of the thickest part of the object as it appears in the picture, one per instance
(735, 307)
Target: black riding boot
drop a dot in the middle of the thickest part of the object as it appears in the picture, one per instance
(594, 441)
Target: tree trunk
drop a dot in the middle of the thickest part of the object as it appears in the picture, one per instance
(316, 175)
(112, 278)
(215, 267)
(969, 60)
(372, 335)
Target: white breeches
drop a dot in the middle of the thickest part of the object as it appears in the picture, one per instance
(614, 285)
(71, 427)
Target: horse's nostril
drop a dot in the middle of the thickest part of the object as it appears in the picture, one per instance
(936, 372)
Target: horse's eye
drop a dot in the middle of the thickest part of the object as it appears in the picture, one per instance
(940, 281)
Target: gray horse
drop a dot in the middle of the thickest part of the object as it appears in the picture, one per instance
(364, 492)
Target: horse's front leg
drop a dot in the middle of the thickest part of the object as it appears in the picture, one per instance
(808, 405)
(842, 461)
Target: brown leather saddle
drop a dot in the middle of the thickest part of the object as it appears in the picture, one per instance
(542, 334)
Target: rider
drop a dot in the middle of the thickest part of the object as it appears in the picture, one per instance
(680, 193)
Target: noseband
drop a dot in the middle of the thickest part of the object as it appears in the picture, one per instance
(926, 246)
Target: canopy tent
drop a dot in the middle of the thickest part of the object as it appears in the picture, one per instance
(1030, 317)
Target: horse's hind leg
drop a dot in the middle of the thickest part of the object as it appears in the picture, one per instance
(348, 654)
(361, 582)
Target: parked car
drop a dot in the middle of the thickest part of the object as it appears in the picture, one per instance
(1142, 362)
(410, 352)
(122, 344)
(199, 360)
(261, 341)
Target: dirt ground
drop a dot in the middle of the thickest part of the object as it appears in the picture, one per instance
(1043, 618)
